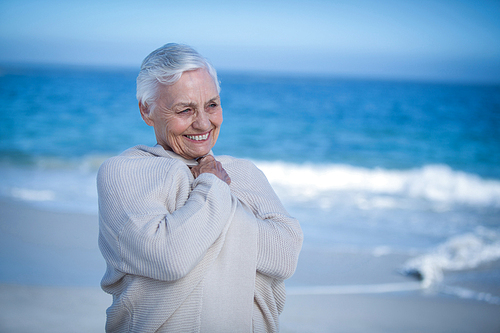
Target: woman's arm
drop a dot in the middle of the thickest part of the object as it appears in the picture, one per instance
(153, 224)
(280, 236)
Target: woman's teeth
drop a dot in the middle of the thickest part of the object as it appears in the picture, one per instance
(198, 137)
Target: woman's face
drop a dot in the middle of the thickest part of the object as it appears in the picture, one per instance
(188, 115)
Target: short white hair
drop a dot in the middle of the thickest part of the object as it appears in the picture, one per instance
(165, 65)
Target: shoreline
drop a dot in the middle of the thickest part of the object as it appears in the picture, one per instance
(387, 313)
(82, 310)
(51, 268)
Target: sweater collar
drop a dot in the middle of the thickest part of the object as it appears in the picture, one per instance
(159, 151)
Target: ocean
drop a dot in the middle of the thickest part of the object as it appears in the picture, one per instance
(365, 165)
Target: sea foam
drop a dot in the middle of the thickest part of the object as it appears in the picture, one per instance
(462, 252)
(72, 182)
(435, 183)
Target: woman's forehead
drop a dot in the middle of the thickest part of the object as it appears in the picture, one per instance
(196, 81)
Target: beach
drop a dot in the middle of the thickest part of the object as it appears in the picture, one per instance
(43, 309)
(395, 183)
(51, 268)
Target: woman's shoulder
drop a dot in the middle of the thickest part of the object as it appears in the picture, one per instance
(141, 155)
(234, 162)
(138, 160)
(241, 170)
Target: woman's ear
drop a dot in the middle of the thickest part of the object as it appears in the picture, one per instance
(145, 114)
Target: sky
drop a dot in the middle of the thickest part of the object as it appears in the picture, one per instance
(414, 39)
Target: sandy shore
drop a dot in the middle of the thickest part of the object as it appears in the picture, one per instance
(385, 313)
(50, 268)
(46, 309)
(26, 309)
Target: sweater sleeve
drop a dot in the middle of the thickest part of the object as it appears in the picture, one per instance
(151, 223)
(280, 236)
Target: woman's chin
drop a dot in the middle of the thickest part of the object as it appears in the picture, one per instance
(201, 149)
(196, 153)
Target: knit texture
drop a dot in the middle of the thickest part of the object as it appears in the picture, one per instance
(176, 246)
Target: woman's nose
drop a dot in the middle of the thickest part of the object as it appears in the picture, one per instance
(202, 121)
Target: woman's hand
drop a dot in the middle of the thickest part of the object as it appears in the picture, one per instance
(208, 164)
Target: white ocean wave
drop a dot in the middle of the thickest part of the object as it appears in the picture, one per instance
(88, 163)
(470, 294)
(383, 188)
(52, 184)
(463, 252)
(72, 182)
(32, 195)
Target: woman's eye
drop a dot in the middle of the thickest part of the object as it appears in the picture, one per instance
(185, 111)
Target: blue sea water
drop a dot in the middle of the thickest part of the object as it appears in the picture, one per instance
(364, 164)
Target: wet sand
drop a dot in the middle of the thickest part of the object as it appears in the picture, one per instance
(50, 268)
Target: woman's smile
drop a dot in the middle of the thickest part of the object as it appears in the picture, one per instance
(198, 137)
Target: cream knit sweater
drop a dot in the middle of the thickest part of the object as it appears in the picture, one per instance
(192, 255)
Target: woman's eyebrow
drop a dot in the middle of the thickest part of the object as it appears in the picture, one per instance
(194, 104)
(214, 99)
(183, 105)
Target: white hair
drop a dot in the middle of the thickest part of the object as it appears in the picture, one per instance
(165, 65)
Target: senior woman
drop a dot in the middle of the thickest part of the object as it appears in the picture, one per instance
(192, 242)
